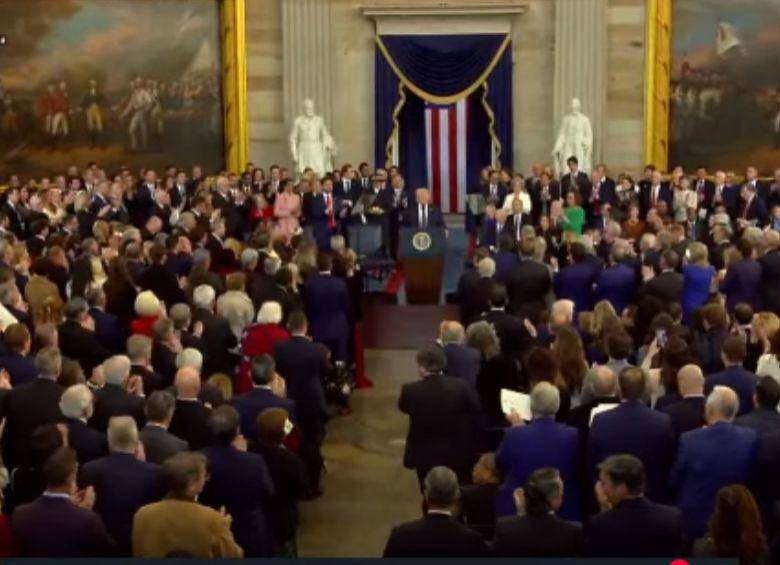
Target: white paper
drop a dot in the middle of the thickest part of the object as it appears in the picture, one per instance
(288, 427)
(517, 401)
(598, 409)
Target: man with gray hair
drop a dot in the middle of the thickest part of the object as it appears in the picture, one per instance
(717, 455)
(463, 361)
(190, 357)
(76, 405)
(262, 396)
(139, 350)
(542, 443)
(77, 336)
(444, 415)
(122, 394)
(437, 534)
(159, 443)
(218, 338)
(123, 481)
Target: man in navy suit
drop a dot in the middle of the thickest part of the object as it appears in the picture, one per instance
(576, 180)
(53, 525)
(261, 397)
(17, 361)
(764, 418)
(123, 481)
(494, 192)
(463, 361)
(630, 524)
(541, 443)
(319, 212)
(617, 284)
(705, 188)
(712, 457)
(422, 215)
(633, 428)
(734, 375)
(76, 407)
(304, 367)
(506, 256)
(490, 228)
(653, 192)
(517, 220)
(602, 197)
(326, 302)
(107, 329)
(743, 281)
(752, 208)
(239, 482)
(575, 282)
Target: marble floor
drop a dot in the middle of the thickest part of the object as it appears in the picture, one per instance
(367, 489)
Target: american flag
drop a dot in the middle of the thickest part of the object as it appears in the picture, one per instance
(445, 144)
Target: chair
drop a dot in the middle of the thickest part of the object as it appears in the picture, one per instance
(366, 241)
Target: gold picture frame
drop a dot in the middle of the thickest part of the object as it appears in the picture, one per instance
(234, 85)
(658, 68)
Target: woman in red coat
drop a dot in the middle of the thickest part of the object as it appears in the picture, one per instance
(258, 339)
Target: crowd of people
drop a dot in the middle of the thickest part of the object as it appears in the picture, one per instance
(641, 321)
(171, 346)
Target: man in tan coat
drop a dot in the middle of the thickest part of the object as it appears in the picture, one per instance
(178, 524)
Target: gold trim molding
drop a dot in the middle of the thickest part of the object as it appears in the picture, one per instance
(658, 66)
(234, 85)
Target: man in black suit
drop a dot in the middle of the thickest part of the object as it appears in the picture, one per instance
(12, 209)
(160, 279)
(537, 531)
(688, 413)
(61, 524)
(437, 534)
(139, 350)
(764, 418)
(528, 283)
(319, 210)
(218, 338)
(511, 332)
(143, 199)
(265, 394)
(122, 395)
(159, 443)
(705, 188)
(423, 215)
(630, 525)
(546, 191)
(77, 336)
(494, 192)
(31, 405)
(303, 366)
(601, 383)
(123, 481)
(16, 359)
(76, 405)
(475, 298)
(770, 272)
(667, 286)
(444, 413)
(190, 416)
(463, 361)
(517, 220)
(653, 192)
(602, 197)
(576, 180)
(107, 329)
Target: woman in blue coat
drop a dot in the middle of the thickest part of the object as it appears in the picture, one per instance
(697, 279)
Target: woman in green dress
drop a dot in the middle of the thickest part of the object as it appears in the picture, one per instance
(573, 213)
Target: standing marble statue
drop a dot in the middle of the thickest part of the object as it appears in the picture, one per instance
(575, 138)
(311, 145)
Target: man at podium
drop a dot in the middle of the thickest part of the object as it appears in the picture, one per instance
(423, 215)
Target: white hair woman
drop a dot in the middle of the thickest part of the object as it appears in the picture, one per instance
(259, 339)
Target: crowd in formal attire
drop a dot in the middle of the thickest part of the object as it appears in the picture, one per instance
(640, 321)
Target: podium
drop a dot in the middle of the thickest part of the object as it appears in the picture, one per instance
(422, 256)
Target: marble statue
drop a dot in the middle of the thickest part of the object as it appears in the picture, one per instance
(310, 143)
(575, 138)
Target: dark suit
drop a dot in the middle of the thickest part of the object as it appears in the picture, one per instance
(765, 485)
(326, 302)
(528, 283)
(489, 233)
(316, 217)
(542, 443)
(159, 444)
(88, 442)
(190, 423)
(743, 283)
(152, 381)
(575, 282)
(123, 484)
(218, 339)
(686, 414)
(435, 535)
(761, 420)
(411, 217)
(616, 284)
(515, 228)
(505, 260)
(514, 338)
(636, 527)
(710, 458)
(240, 482)
(82, 345)
(474, 301)
(738, 379)
(108, 331)
(705, 190)
(113, 400)
(251, 404)
(28, 406)
(463, 362)
(163, 283)
(54, 527)
(667, 287)
(754, 211)
(537, 536)
(633, 428)
(21, 368)
(580, 183)
(443, 415)
(770, 274)
(646, 197)
(494, 194)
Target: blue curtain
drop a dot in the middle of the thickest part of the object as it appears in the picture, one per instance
(386, 98)
(499, 99)
(411, 155)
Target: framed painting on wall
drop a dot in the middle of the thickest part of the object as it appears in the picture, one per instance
(139, 83)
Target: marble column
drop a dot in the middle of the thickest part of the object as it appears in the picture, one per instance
(307, 50)
(581, 63)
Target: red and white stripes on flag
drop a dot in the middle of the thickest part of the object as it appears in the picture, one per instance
(445, 144)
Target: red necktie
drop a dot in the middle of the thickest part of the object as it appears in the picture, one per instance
(329, 209)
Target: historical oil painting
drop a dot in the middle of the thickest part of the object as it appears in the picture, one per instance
(119, 82)
(725, 98)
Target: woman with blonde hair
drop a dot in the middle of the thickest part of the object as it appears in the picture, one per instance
(766, 326)
(518, 192)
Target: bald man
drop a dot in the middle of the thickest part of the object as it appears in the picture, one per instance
(688, 413)
(190, 416)
(423, 215)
